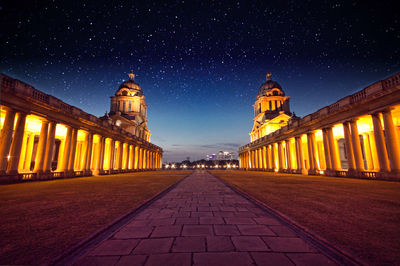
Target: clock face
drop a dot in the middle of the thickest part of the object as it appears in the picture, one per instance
(118, 123)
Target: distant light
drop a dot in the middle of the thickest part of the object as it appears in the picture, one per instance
(321, 172)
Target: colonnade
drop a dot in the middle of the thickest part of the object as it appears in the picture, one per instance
(367, 145)
(34, 147)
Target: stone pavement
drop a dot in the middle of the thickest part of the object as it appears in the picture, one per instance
(203, 222)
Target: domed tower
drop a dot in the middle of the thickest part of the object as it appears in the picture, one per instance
(129, 110)
(271, 109)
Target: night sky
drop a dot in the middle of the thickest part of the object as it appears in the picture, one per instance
(200, 64)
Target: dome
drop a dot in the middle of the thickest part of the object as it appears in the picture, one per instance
(268, 86)
(129, 87)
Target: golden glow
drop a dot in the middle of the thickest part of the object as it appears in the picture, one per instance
(61, 131)
(33, 124)
(337, 131)
(364, 124)
(82, 135)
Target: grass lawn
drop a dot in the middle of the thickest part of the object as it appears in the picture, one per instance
(361, 216)
(40, 220)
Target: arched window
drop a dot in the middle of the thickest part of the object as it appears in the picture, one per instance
(275, 93)
(124, 93)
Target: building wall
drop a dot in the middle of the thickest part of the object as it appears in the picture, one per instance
(359, 135)
(43, 137)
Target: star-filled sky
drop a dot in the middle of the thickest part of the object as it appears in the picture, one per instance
(200, 63)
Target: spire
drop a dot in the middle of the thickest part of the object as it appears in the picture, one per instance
(131, 75)
(269, 76)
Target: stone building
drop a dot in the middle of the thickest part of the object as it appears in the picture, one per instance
(359, 135)
(129, 110)
(271, 109)
(42, 137)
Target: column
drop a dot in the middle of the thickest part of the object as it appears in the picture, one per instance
(127, 156)
(299, 155)
(137, 157)
(67, 148)
(140, 163)
(101, 148)
(380, 143)
(29, 151)
(333, 150)
(392, 141)
(121, 154)
(73, 150)
(256, 158)
(311, 151)
(22, 156)
(356, 146)
(261, 159)
(349, 146)
(288, 156)
(12, 167)
(132, 157)
(326, 149)
(51, 137)
(280, 156)
(112, 155)
(89, 147)
(41, 148)
(273, 156)
(265, 157)
(6, 139)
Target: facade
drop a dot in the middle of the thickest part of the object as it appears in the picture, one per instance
(359, 135)
(271, 109)
(43, 137)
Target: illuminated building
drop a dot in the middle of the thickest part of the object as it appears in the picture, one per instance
(271, 109)
(221, 156)
(42, 137)
(129, 110)
(359, 135)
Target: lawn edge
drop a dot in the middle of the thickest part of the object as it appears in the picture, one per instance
(99, 235)
(339, 255)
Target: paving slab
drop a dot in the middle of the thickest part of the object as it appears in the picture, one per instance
(202, 221)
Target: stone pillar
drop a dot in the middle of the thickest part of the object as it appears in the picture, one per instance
(356, 146)
(41, 148)
(112, 155)
(101, 150)
(12, 167)
(132, 157)
(288, 156)
(273, 156)
(265, 156)
(334, 152)
(380, 144)
(89, 147)
(326, 149)
(280, 156)
(311, 152)
(128, 157)
(299, 155)
(67, 149)
(140, 162)
(121, 154)
(50, 147)
(29, 151)
(136, 166)
(6, 139)
(393, 143)
(73, 150)
(349, 146)
(22, 155)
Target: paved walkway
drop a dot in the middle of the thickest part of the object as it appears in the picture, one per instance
(203, 222)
